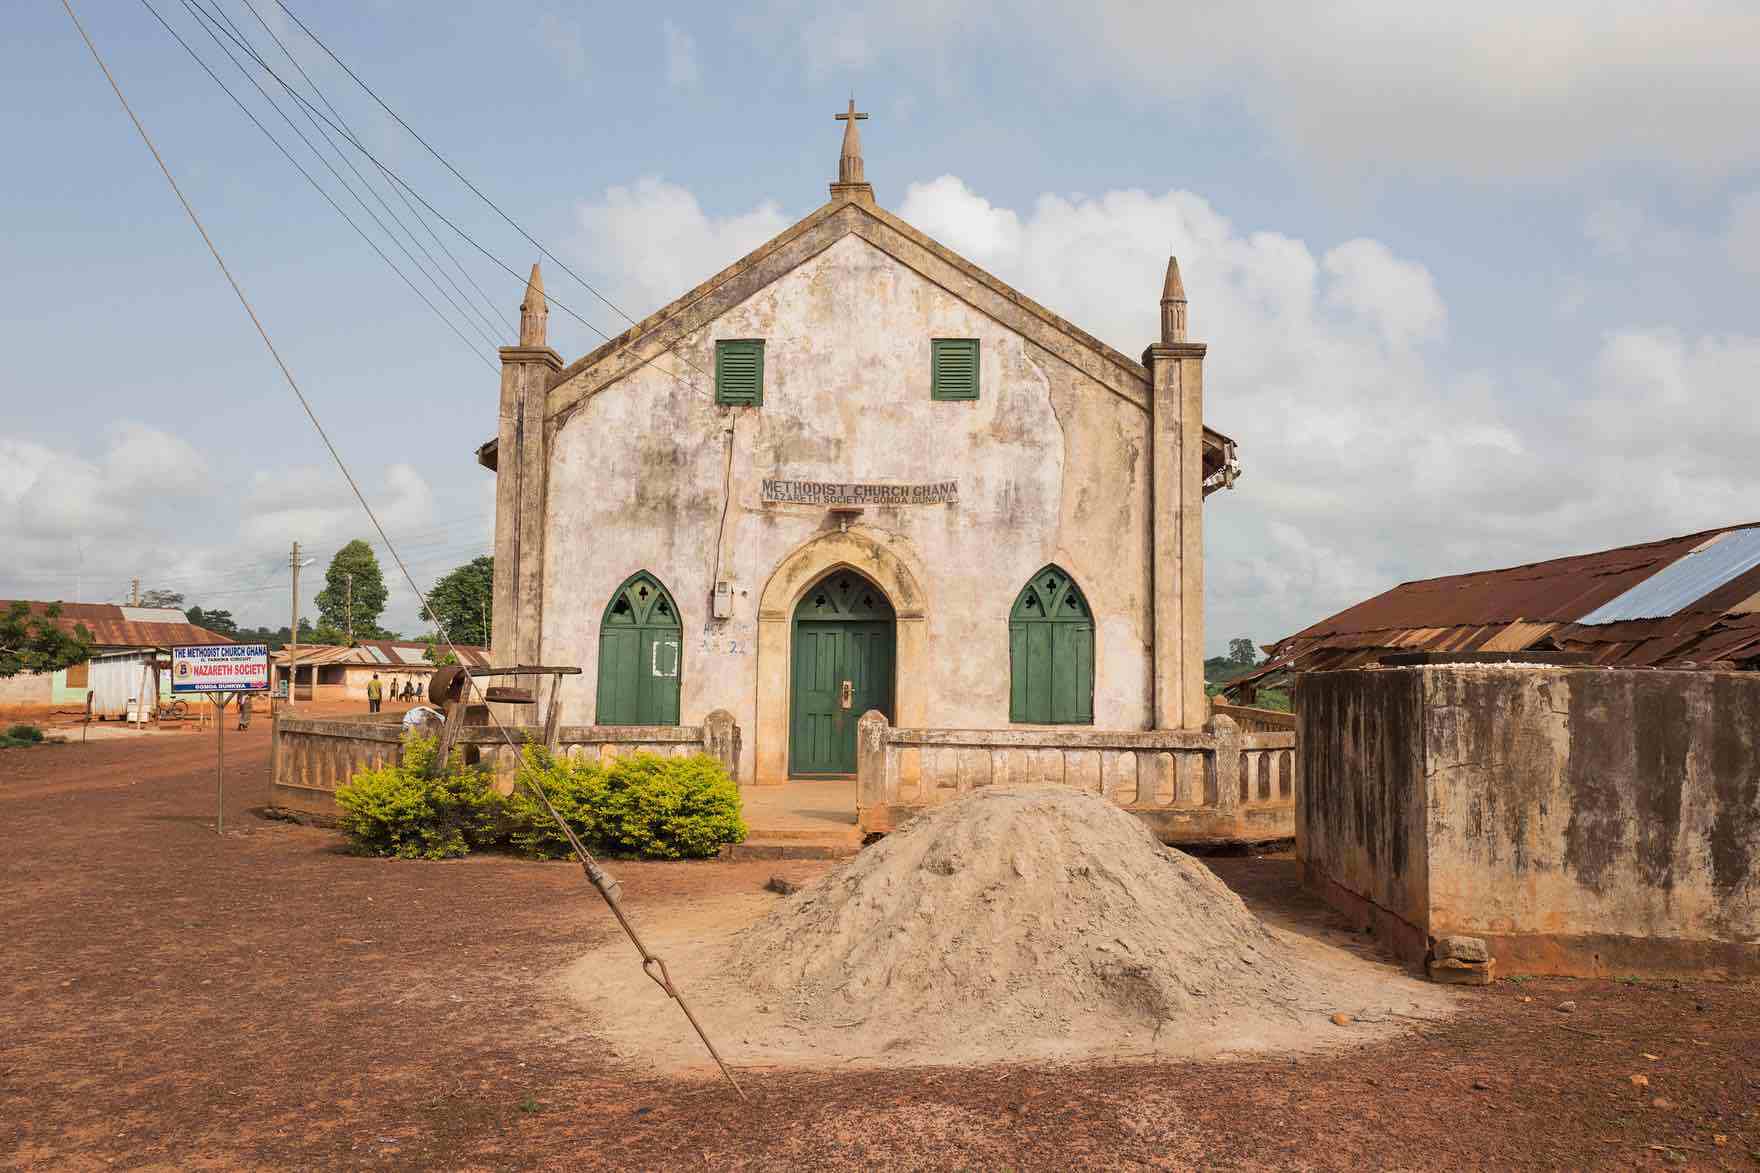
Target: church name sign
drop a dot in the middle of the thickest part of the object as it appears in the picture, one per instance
(835, 493)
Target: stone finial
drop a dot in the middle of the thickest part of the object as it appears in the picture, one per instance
(1173, 305)
(851, 184)
(849, 163)
(534, 312)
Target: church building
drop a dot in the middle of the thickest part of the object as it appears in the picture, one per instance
(853, 471)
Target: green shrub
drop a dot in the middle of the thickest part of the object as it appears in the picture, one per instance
(395, 810)
(20, 735)
(575, 787)
(641, 804)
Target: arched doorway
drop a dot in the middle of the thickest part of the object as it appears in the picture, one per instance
(844, 643)
(639, 645)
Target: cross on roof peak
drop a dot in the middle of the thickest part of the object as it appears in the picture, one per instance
(849, 163)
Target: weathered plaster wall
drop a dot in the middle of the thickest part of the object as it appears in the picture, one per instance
(1360, 793)
(1052, 468)
(28, 688)
(1583, 820)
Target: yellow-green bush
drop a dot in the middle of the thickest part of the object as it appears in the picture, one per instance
(641, 804)
(396, 810)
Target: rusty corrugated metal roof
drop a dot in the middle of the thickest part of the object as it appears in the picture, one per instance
(380, 653)
(114, 626)
(1538, 606)
(1558, 590)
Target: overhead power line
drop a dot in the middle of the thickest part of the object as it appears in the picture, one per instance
(495, 311)
(309, 178)
(653, 965)
(480, 194)
(472, 307)
(444, 162)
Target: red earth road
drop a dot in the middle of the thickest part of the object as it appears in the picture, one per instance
(174, 999)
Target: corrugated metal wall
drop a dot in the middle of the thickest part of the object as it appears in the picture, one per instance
(116, 680)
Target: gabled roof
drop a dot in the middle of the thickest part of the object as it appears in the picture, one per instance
(1559, 605)
(661, 331)
(114, 626)
(392, 655)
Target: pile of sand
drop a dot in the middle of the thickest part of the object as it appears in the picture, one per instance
(1030, 923)
(1030, 913)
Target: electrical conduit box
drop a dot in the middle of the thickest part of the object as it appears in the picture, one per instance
(723, 608)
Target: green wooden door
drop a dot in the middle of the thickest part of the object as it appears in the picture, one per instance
(843, 658)
(640, 649)
(1051, 653)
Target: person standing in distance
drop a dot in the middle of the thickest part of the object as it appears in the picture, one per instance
(375, 694)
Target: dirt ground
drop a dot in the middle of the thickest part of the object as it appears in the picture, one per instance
(175, 999)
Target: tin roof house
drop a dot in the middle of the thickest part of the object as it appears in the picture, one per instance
(1687, 602)
(128, 644)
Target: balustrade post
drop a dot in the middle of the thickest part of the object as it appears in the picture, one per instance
(1228, 761)
(721, 740)
(872, 776)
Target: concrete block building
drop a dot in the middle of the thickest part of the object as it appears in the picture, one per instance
(851, 472)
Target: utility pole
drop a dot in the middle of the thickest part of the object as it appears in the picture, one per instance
(348, 602)
(293, 645)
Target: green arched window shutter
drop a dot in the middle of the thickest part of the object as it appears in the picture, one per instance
(1051, 653)
(641, 645)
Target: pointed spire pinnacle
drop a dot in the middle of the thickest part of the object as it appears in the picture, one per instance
(1173, 289)
(851, 183)
(534, 312)
(1173, 305)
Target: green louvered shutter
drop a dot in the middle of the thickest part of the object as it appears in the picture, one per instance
(953, 368)
(739, 371)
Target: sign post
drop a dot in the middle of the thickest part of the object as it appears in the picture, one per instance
(222, 671)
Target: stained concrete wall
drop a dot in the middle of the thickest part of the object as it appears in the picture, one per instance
(1051, 465)
(1583, 820)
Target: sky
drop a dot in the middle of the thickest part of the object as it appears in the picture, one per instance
(1478, 280)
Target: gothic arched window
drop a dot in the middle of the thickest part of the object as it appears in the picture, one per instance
(640, 649)
(1051, 653)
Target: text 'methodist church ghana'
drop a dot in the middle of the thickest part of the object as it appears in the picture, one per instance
(854, 471)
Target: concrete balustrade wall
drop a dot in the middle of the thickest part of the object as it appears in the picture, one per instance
(312, 756)
(1191, 787)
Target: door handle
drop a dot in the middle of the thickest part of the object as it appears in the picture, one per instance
(846, 695)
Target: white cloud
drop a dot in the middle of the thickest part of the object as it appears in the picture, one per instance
(1491, 89)
(1371, 455)
(681, 55)
(1370, 460)
(652, 240)
(78, 527)
(1397, 297)
(947, 209)
(314, 504)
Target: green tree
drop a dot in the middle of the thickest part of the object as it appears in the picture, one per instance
(219, 622)
(161, 599)
(1242, 652)
(363, 599)
(36, 643)
(461, 601)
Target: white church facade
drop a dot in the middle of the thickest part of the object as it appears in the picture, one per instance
(855, 472)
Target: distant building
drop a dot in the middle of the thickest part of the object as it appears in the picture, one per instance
(129, 646)
(327, 672)
(1686, 602)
